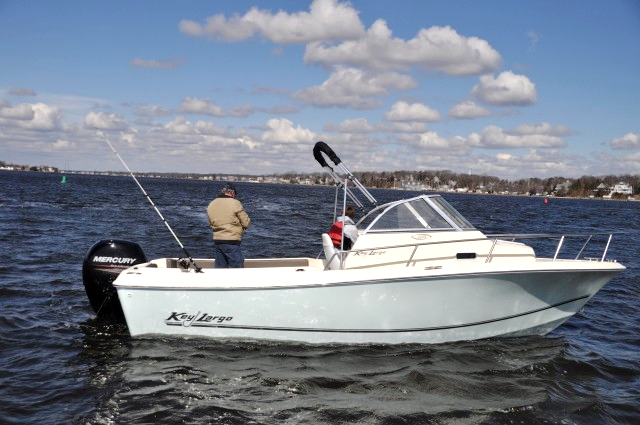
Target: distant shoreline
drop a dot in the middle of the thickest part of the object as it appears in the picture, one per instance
(255, 180)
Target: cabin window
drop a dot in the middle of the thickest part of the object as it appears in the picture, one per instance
(430, 217)
(451, 212)
(398, 218)
(414, 215)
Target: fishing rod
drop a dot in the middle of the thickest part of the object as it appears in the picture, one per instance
(195, 266)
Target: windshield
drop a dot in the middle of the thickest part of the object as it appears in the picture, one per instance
(451, 212)
(416, 214)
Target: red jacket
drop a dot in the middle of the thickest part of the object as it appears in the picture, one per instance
(335, 233)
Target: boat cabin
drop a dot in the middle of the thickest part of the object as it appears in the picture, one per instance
(424, 231)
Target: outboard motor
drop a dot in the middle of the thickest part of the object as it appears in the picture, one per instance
(101, 266)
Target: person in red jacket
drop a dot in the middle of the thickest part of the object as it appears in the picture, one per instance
(350, 230)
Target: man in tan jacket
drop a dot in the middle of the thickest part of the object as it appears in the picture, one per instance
(228, 220)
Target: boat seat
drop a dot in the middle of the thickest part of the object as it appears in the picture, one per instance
(331, 251)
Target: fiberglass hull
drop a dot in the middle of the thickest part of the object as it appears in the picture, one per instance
(360, 306)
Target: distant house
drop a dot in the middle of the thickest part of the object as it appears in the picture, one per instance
(411, 185)
(602, 190)
(563, 187)
(623, 188)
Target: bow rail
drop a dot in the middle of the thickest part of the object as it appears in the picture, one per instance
(509, 237)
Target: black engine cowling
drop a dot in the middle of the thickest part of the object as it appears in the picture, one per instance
(101, 266)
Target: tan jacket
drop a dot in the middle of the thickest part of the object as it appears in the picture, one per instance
(227, 219)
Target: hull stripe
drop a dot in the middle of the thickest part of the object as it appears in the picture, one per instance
(382, 331)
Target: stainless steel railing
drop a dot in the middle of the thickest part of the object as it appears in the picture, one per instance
(494, 239)
(561, 240)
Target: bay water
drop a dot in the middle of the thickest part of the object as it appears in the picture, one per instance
(62, 365)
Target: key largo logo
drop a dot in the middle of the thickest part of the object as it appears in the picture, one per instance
(199, 319)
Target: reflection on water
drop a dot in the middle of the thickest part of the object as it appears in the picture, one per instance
(260, 380)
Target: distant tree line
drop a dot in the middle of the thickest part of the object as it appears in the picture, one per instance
(585, 186)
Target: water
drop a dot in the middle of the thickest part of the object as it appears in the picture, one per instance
(61, 365)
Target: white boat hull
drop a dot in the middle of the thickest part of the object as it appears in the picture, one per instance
(360, 306)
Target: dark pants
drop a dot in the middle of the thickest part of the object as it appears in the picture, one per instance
(228, 256)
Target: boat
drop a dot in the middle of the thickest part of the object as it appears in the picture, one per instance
(419, 272)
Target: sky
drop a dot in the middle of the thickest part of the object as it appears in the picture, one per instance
(514, 89)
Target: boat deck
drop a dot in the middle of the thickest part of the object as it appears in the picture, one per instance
(252, 263)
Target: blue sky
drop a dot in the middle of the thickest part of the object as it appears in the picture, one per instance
(512, 89)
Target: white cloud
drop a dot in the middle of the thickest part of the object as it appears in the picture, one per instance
(129, 137)
(248, 142)
(408, 127)
(155, 63)
(542, 129)
(431, 150)
(628, 141)
(358, 125)
(354, 87)
(326, 20)
(209, 128)
(281, 130)
(45, 117)
(468, 110)
(537, 163)
(437, 48)
(73, 106)
(62, 144)
(242, 111)
(494, 137)
(180, 125)
(534, 40)
(105, 121)
(506, 89)
(22, 91)
(219, 28)
(431, 140)
(31, 116)
(192, 105)
(151, 111)
(21, 112)
(551, 162)
(194, 29)
(402, 111)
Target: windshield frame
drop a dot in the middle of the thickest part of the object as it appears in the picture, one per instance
(435, 203)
